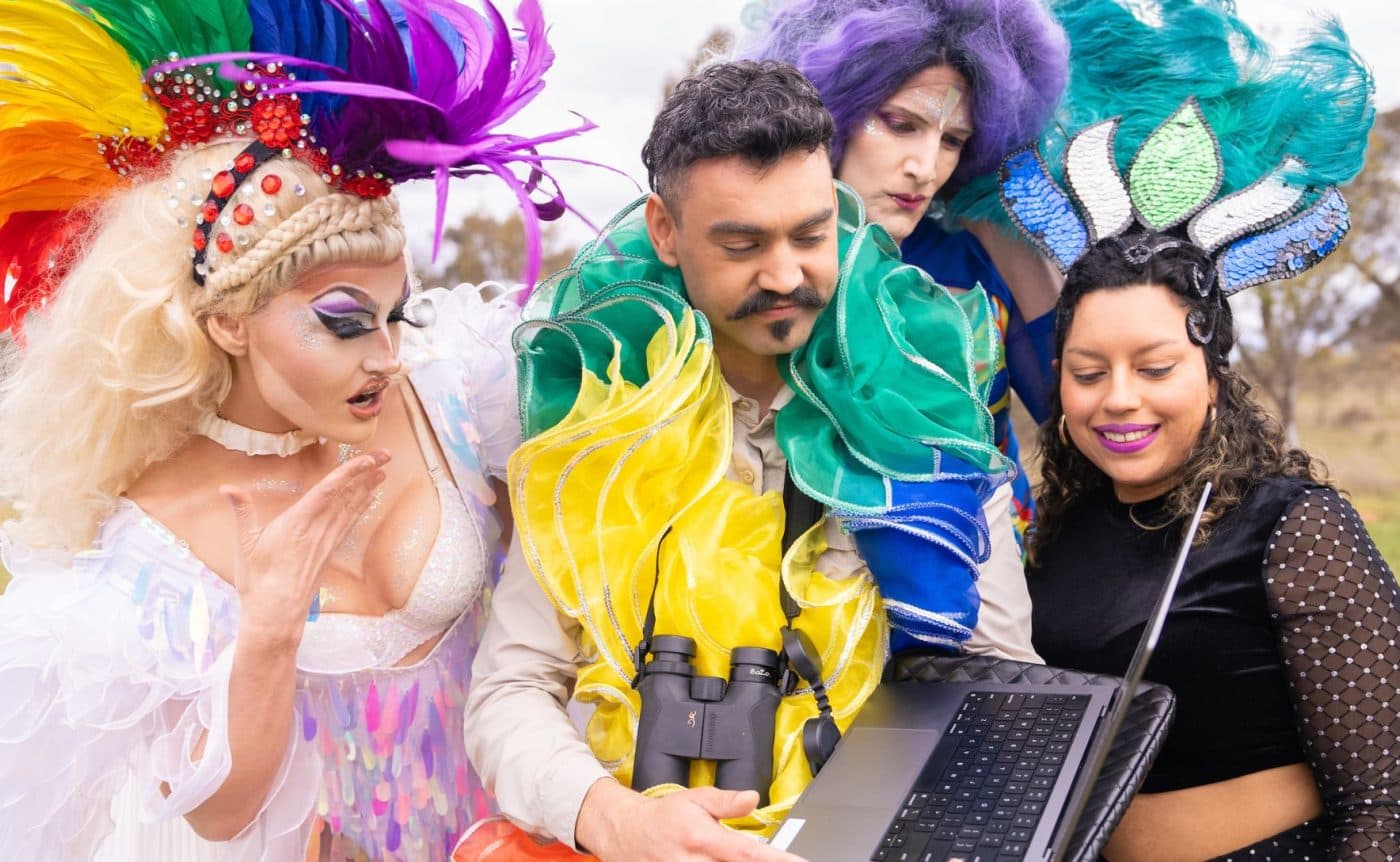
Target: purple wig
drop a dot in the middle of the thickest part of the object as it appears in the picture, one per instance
(858, 53)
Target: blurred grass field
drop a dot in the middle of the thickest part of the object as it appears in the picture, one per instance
(1349, 415)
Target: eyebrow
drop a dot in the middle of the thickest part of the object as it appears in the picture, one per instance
(736, 228)
(924, 118)
(1165, 342)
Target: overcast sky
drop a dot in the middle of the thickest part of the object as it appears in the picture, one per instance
(613, 58)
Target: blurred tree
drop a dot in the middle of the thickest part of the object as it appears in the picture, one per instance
(1285, 325)
(485, 247)
(1373, 249)
(1349, 301)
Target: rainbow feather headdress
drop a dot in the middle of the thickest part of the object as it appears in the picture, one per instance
(93, 96)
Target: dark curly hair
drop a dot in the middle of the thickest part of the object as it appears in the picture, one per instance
(1245, 442)
(759, 111)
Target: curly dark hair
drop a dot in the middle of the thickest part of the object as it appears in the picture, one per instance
(1244, 443)
(760, 111)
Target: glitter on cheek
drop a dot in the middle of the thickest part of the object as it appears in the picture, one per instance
(872, 128)
(308, 329)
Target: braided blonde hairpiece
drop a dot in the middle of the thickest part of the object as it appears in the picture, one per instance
(322, 218)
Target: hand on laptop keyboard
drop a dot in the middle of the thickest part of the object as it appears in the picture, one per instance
(616, 824)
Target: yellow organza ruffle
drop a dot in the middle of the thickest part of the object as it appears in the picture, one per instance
(593, 497)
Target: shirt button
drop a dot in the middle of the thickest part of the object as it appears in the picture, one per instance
(747, 476)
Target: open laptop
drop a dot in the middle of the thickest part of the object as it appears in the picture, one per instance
(973, 772)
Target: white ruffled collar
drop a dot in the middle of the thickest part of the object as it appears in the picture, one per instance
(241, 438)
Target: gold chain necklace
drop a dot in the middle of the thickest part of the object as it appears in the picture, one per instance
(1132, 517)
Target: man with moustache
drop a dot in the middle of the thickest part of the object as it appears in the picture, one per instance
(738, 344)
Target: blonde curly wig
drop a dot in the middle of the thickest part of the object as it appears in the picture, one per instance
(118, 368)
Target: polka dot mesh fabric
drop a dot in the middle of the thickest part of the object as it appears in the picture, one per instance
(1301, 844)
(1334, 603)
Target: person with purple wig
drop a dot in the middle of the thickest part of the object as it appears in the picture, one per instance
(928, 95)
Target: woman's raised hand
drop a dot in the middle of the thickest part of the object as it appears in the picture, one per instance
(278, 566)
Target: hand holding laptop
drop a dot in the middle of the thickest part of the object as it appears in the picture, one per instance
(620, 825)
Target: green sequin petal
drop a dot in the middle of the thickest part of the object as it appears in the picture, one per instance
(1177, 171)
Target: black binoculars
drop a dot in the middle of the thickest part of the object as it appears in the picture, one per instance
(687, 717)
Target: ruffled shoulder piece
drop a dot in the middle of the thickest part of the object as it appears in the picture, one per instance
(92, 649)
(893, 382)
(463, 368)
(620, 490)
(889, 420)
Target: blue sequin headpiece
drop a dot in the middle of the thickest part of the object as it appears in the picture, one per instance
(1253, 236)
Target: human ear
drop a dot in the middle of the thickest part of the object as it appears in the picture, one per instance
(661, 229)
(229, 333)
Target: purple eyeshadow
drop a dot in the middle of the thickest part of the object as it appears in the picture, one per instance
(339, 306)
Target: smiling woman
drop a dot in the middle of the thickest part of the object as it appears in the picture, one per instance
(1281, 643)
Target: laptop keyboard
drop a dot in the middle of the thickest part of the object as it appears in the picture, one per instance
(984, 788)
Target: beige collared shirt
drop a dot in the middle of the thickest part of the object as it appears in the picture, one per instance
(519, 734)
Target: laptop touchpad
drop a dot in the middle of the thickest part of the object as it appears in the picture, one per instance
(871, 767)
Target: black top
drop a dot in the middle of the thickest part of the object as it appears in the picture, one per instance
(1281, 644)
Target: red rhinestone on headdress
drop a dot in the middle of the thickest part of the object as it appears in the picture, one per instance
(128, 155)
(366, 187)
(277, 121)
(223, 184)
(198, 113)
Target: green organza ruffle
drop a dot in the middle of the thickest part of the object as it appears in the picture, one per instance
(893, 378)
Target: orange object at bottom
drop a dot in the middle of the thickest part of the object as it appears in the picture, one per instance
(496, 839)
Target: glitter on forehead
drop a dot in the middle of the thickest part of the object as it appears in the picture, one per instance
(940, 109)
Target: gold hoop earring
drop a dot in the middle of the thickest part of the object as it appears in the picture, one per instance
(1064, 439)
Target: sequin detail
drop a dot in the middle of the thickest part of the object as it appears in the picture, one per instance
(1093, 179)
(1261, 204)
(1041, 208)
(1177, 170)
(1288, 249)
(397, 783)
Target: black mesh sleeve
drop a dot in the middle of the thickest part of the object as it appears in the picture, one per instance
(1334, 603)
